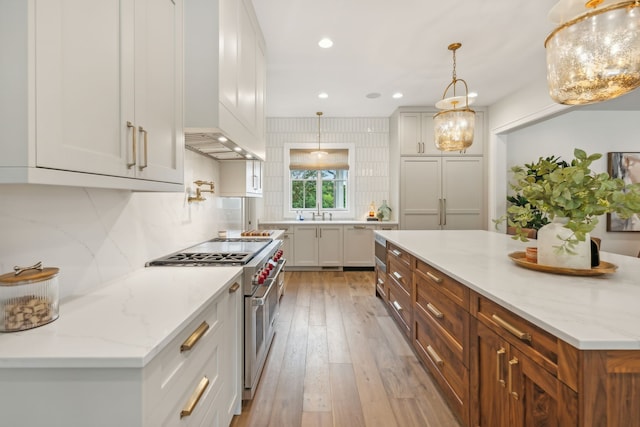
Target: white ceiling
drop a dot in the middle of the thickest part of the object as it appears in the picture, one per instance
(387, 46)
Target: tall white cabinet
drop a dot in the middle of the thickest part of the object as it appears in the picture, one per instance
(437, 190)
(98, 92)
(441, 193)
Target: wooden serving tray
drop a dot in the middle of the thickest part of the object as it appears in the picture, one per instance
(604, 267)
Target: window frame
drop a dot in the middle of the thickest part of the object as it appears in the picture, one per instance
(347, 212)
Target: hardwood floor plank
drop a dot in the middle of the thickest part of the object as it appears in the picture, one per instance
(408, 414)
(317, 312)
(317, 419)
(344, 395)
(336, 338)
(317, 388)
(397, 342)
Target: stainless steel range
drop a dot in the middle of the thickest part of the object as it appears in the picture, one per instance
(262, 264)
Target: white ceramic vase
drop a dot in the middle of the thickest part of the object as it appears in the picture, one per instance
(551, 235)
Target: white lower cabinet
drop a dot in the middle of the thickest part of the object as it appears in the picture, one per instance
(358, 245)
(318, 245)
(200, 386)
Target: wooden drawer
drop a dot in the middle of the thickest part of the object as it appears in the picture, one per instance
(451, 318)
(381, 284)
(400, 255)
(446, 367)
(400, 273)
(458, 292)
(400, 306)
(539, 345)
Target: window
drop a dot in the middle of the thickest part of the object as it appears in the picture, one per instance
(326, 188)
(319, 182)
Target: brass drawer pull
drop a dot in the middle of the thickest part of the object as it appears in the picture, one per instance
(434, 277)
(397, 306)
(380, 281)
(396, 252)
(397, 275)
(512, 363)
(195, 398)
(234, 288)
(194, 337)
(524, 336)
(434, 311)
(499, 354)
(434, 356)
(359, 227)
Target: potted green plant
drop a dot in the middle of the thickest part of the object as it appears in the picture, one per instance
(571, 192)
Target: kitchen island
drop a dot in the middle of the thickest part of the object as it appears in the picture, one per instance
(512, 346)
(131, 354)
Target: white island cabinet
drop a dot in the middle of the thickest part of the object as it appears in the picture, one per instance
(161, 347)
(92, 93)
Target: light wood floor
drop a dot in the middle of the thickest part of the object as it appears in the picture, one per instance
(339, 360)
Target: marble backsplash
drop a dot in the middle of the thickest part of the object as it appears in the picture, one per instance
(96, 235)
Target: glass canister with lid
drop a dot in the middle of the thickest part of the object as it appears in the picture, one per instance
(28, 297)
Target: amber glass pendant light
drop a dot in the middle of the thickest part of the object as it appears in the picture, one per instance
(594, 53)
(454, 126)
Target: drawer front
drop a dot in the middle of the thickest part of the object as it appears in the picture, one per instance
(400, 306)
(452, 319)
(536, 343)
(450, 287)
(400, 274)
(448, 370)
(400, 255)
(173, 370)
(381, 284)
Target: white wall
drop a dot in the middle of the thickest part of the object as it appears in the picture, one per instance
(96, 235)
(592, 131)
(371, 171)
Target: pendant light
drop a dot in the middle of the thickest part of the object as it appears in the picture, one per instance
(594, 53)
(454, 126)
(319, 153)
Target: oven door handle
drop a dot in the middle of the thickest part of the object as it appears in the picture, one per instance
(262, 294)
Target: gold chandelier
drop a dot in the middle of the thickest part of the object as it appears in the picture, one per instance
(454, 126)
(319, 153)
(593, 56)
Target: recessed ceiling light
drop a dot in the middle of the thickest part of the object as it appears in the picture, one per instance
(222, 139)
(325, 43)
(397, 95)
(373, 95)
(323, 95)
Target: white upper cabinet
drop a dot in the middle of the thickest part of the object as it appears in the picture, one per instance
(97, 96)
(225, 72)
(416, 135)
(240, 178)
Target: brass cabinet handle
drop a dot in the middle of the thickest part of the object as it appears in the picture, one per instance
(397, 305)
(398, 276)
(134, 154)
(499, 354)
(434, 311)
(434, 277)
(434, 356)
(396, 252)
(146, 146)
(195, 398)
(512, 363)
(234, 288)
(380, 281)
(524, 336)
(194, 337)
(444, 211)
(359, 227)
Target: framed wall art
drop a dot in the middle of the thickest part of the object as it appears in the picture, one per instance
(625, 165)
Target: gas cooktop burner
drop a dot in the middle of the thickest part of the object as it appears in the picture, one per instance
(222, 257)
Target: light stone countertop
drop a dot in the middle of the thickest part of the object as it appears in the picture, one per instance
(124, 324)
(328, 222)
(590, 313)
